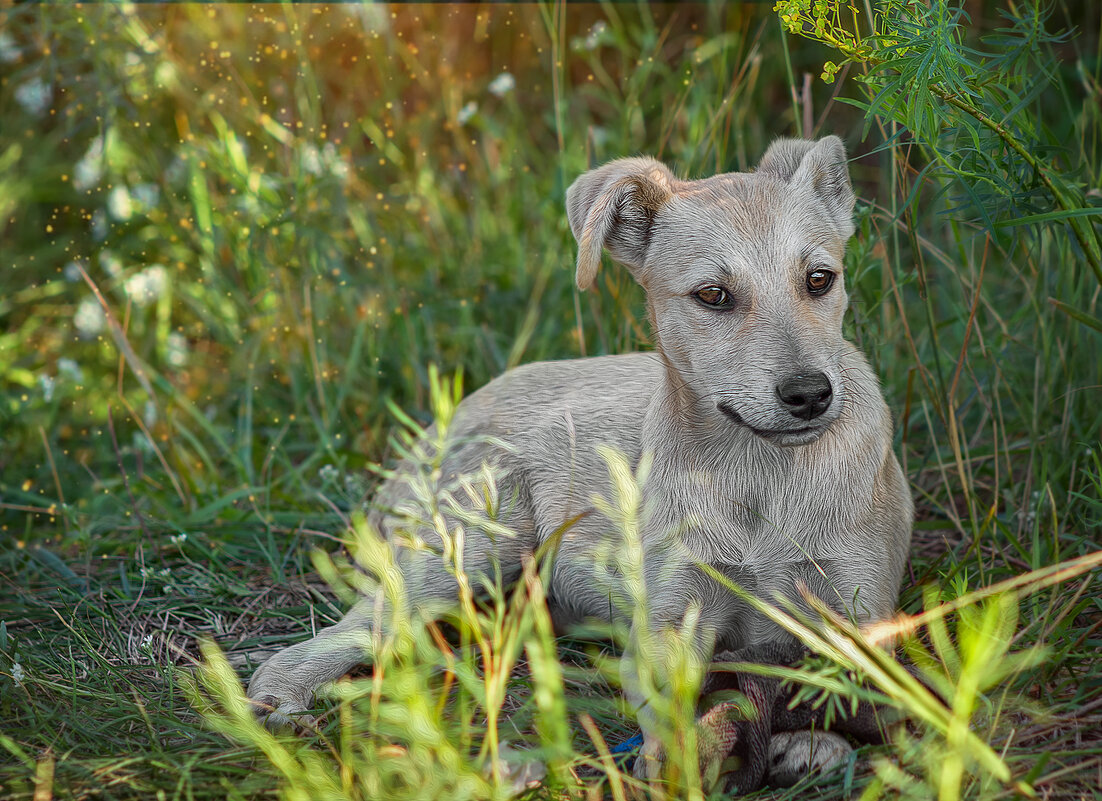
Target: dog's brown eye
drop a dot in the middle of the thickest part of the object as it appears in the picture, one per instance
(713, 296)
(819, 281)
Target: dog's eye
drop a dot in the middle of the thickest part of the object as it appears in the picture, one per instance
(819, 281)
(714, 296)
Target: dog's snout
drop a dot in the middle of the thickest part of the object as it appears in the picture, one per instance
(806, 395)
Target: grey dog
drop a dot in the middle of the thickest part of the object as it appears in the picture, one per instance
(768, 439)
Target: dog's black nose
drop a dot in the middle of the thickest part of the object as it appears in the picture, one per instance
(806, 396)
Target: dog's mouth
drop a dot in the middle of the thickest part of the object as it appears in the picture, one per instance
(779, 436)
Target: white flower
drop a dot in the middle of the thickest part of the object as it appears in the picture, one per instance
(118, 203)
(337, 166)
(89, 170)
(17, 672)
(311, 159)
(328, 474)
(596, 33)
(466, 112)
(110, 262)
(176, 539)
(34, 96)
(89, 318)
(502, 85)
(147, 285)
(47, 383)
(70, 369)
(9, 50)
(176, 349)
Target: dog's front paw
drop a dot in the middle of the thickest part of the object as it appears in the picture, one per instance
(278, 702)
(795, 754)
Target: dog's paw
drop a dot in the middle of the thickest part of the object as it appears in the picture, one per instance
(278, 714)
(279, 704)
(795, 754)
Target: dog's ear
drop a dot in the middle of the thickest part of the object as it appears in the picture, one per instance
(613, 207)
(821, 167)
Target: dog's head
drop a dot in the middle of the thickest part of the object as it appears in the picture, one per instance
(743, 274)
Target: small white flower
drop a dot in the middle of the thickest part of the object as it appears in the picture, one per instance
(47, 383)
(34, 96)
(9, 50)
(119, 204)
(70, 369)
(89, 170)
(89, 319)
(337, 166)
(311, 159)
(502, 85)
(110, 262)
(72, 271)
(176, 349)
(147, 642)
(466, 112)
(328, 474)
(176, 539)
(596, 33)
(147, 285)
(17, 672)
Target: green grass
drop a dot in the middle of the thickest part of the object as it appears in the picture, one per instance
(232, 235)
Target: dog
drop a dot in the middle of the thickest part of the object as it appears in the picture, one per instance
(768, 440)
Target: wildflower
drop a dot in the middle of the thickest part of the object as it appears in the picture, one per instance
(89, 170)
(328, 474)
(118, 203)
(17, 672)
(502, 85)
(177, 539)
(47, 383)
(595, 35)
(147, 285)
(89, 319)
(176, 349)
(311, 159)
(34, 96)
(466, 112)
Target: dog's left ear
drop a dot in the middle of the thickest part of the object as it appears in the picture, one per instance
(614, 207)
(821, 167)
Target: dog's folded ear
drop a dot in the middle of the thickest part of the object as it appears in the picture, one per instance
(614, 207)
(820, 166)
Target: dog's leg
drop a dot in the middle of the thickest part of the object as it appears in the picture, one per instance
(682, 590)
(284, 686)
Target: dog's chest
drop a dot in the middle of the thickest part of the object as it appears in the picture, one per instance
(759, 515)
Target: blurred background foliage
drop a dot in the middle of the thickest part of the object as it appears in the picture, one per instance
(232, 233)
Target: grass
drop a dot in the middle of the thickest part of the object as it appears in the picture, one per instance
(233, 235)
